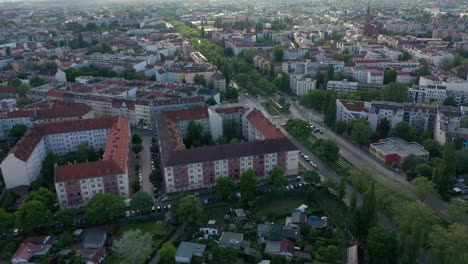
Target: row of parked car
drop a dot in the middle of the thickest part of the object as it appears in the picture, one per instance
(315, 129)
(306, 158)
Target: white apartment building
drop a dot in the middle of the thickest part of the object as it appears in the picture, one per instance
(300, 85)
(24, 162)
(342, 86)
(375, 77)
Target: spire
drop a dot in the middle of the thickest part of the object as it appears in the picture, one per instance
(368, 8)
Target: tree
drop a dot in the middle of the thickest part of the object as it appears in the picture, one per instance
(361, 132)
(133, 247)
(104, 207)
(424, 170)
(330, 111)
(31, 215)
(446, 172)
(225, 187)
(227, 255)
(464, 122)
(330, 73)
(7, 221)
(18, 130)
(415, 220)
(141, 201)
(352, 203)
(328, 254)
(394, 92)
(248, 185)
(15, 83)
(340, 127)
(382, 244)
(458, 210)
(194, 137)
(404, 131)
(190, 209)
(278, 54)
(365, 216)
(383, 128)
(448, 245)
(450, 101)
(342, 188)
(66, 217)
(432, 146)
(390, 76)
(136, 139)
(167, 251)
(137, 148)
(199, 79)
(328, 149)
(36, 81)
(424, 188)
(42, 195)
(210, 101)
(276, 178)
(311, 177)
(130, 74)
(423, 69)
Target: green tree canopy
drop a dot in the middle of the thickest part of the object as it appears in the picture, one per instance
(328, 149)
(44, 196)
(248, 185)
(276, 178)
(141, 201)
(31, 215)
(136, 139)
(7, 221)
(66, 217)
(415, 220)
(424, 188)
(167, 251)
(278, 54)
(190, 209)
(311, 177)
(18, 130)
(361, 132)
(404, 131)
(224, 187)
(448, 245)
(133, 247)
(394, 92)
(382, 244)
(104, 207)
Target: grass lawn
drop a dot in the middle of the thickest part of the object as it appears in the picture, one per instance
(273, 111)
(217, 212)
(157, 230)
(277, 209)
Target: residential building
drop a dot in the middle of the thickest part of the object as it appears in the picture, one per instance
(187, 250)
(186, 169)
(43, 113)
(23, 164)
(375, 77)
(231, 239)
(342, 86)
(347, 110)
(301, 85)
(393, 151)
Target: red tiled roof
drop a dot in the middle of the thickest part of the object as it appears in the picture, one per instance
(26, 250)
(8, 89)
(354, 106)
(187, 114)
(58, 109)
(230, 110)
(55, 93)
(264, 125)
(86, 170)
(117, 143)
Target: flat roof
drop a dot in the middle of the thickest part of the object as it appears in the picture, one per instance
(395, 145)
